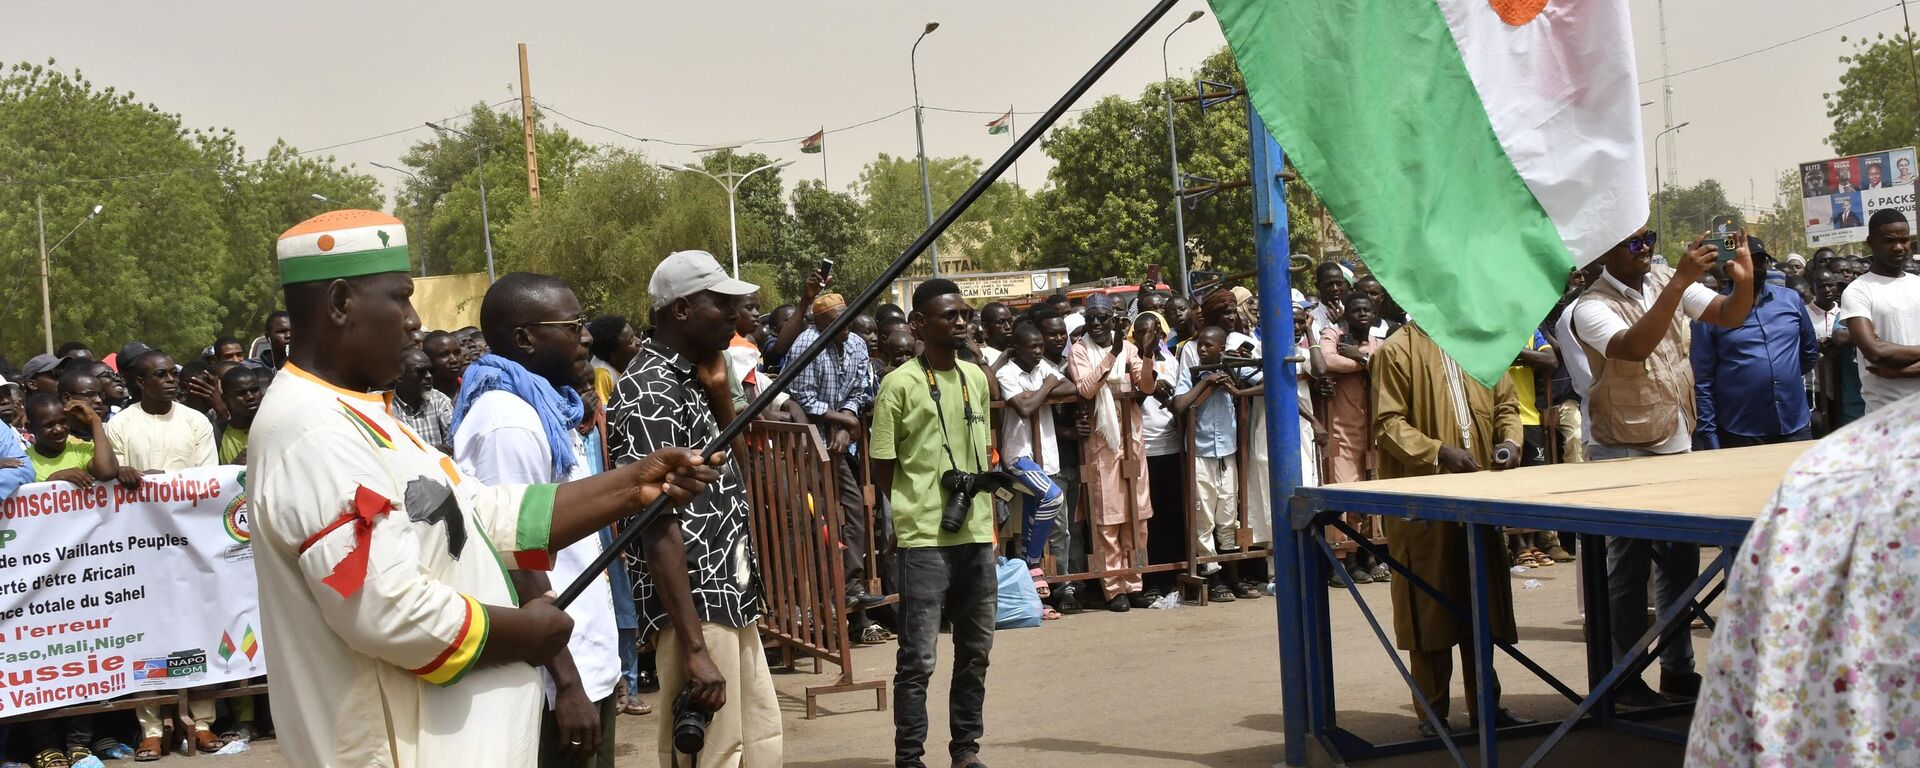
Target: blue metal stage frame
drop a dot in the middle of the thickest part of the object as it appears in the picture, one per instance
(1272, 255)
(1301, 554)
(1315, 508)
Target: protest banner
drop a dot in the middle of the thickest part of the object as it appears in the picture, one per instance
(1840, 195)
(108, 591)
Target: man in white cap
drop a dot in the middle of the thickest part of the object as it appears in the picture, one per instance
(394, 635)
(1794, 265)
(697, 579)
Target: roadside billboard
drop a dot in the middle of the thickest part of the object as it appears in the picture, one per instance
(1839, 195)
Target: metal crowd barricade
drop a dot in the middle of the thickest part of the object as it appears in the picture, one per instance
(795, 522)
(1246, 474)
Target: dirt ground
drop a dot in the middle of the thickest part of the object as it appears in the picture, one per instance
(1186, 687)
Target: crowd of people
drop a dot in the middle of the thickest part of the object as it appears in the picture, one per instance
(1121, 427)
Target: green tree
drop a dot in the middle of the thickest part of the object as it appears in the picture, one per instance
(441, 202)
(184, 248)
(606, 230)
(894, 214)
(1784, 229)
(1688, 212)
(826, 225)
(762, 210)
(1877, 106)
(1107, 209)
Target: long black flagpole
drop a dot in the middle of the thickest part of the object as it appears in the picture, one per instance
(879, 285)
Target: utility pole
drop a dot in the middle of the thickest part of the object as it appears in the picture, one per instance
(46, 298)
(1907, 22)
(526, 123)
(1666, 94)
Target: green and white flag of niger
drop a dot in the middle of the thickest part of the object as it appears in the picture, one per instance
(1000, 124)
(1472, 150)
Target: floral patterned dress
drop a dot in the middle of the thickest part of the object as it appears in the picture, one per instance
(1816, 659)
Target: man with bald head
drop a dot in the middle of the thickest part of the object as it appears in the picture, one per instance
(516, 422)
(834, 390)
(397, 640)
(420, 405)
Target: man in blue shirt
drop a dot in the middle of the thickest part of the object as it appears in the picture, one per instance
(1749, 380)
(15, 470)
(834, 389)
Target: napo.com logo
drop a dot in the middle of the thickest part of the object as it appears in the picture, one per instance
(159, 669)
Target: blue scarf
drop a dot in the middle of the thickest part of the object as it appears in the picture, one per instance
(560, 409)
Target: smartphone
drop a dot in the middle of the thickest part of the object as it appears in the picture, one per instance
(1722, 227)
(826, 268)
(1153, 274)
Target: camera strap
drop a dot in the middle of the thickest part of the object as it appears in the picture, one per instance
(966, 410)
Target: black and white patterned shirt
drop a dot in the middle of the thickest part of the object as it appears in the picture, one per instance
(657, 403)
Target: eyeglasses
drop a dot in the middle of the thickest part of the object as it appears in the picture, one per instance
(1643, 242)
(578, 324)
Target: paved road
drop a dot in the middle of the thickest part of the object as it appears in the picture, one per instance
(1187, 687)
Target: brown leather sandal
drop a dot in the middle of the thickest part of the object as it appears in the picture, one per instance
(150, 749)
(205, 741)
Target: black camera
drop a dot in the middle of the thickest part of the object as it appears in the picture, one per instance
(961, 488)
(689, 723)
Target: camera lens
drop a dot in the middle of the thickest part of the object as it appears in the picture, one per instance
(960, 488)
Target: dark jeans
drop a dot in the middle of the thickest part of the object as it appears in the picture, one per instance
(1167, 538)
(853, 522)
(1731, 440)
(959, 580)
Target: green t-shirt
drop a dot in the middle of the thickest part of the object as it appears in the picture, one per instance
(906, 429)
(78, 453)
(233, 441)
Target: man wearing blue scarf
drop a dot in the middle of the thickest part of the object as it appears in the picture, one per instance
(515, 422)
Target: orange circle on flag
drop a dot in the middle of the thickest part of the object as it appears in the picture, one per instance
(1517, 12)
(326, 242)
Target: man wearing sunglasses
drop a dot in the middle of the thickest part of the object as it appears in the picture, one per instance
(418, 405)
(1632, 325)
(514, 423)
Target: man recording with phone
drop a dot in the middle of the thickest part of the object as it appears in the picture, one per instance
(1631, 324)
(929, 454)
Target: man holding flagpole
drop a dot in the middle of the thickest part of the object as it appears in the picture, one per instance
(399, 641)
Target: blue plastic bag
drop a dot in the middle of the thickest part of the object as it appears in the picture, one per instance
(1019, 606)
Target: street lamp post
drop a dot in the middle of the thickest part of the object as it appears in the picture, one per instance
(46, 293)
(480, 170)
(920, 139)
(1173, 157)
(730, 181)
(1659, 203)
(324, 200)
(423, 230)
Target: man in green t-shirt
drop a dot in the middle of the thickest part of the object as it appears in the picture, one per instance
(240, 388)
(930, 418)
(56, 454)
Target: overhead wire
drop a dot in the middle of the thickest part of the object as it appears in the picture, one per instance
(204, 168)
(1783, 43)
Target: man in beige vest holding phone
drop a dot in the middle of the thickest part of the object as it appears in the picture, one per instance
(1632, 325)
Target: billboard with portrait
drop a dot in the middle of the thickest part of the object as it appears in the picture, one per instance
(1839, 195)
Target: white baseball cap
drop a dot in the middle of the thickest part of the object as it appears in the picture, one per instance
(685, 273)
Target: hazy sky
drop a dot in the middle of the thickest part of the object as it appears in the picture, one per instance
(324, 73)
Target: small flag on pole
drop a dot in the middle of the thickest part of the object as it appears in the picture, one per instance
(248, 644)
(226, 646)
(813, 145)
(1000, 124)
